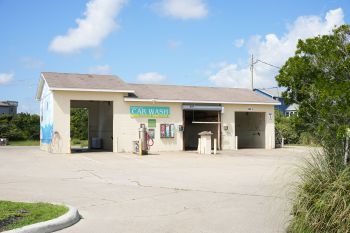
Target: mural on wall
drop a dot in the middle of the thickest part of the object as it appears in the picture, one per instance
(46, 116)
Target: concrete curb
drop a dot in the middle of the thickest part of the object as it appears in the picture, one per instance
(66, 220)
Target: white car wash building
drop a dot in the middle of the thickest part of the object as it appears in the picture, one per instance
(173, 115)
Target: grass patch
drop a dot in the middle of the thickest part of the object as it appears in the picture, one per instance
(322, 202)
(19, 214)
(79, 143)
(306, 145)
(25, 143)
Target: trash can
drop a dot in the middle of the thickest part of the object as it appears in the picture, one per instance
(204, 146)
(96, 143)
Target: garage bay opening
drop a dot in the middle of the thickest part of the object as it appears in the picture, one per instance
(91, 126)
(199, 118)
(250, 129)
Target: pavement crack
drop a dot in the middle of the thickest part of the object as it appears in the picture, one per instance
(163, 215)
(205, 191)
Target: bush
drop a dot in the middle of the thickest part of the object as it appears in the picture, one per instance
(75, 141)
(286, 128)
(22, 126)
(322, 203)
(307, 139)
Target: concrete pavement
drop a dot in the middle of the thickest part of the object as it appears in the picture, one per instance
(234, 191)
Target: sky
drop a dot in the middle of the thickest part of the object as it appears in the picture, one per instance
(182, 42)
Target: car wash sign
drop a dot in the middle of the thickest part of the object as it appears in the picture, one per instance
(149, 111)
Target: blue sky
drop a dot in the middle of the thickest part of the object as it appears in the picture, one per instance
(185, 42)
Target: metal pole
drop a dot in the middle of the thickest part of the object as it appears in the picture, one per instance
(252, 72)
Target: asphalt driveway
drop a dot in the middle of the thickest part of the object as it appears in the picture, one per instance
(234, 191)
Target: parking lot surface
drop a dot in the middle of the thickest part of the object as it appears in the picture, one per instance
(233, 191)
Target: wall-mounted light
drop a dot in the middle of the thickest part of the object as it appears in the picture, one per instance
(270, 115)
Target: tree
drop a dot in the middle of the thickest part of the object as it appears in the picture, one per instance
(286, 128)
(79, 123)
(318, 79)
(22, 126)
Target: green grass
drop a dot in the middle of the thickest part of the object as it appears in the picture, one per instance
(19, 214)
(307, 145)
(80, 143)
(25, 143)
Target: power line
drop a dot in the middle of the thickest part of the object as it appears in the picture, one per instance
(258, 60)
(252, 68)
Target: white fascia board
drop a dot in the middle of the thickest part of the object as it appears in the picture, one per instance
(90, 90)
(39, 90)
(128, 99)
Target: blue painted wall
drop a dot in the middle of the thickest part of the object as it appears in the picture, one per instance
(46, 116)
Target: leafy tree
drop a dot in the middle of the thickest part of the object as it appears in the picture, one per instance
(318, 79)
(286, 128)
(22, 126)
(79, 123)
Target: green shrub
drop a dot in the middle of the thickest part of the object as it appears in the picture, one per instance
(84, 143)
(75, 141)
(322, 202)
(307, 139)
(286, 128)
(22, 126)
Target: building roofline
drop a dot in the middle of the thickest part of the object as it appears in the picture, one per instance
(132, 99)
(90, 90)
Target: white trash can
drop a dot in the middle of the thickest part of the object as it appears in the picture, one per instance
(205, 142)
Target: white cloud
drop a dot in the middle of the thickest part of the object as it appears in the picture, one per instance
(182, 9)
(239, 43)
(174, 44)
(276, 50)
(5, 78)
(98, 24)
(32, 63)
(151, 77)
(100, 69)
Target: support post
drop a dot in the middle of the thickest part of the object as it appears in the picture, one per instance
(214, 146)
(236, 142)
(252, 72)
(199, 146)
(219, 131)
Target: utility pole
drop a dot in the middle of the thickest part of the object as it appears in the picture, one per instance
(252, 63)
(252, 73)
